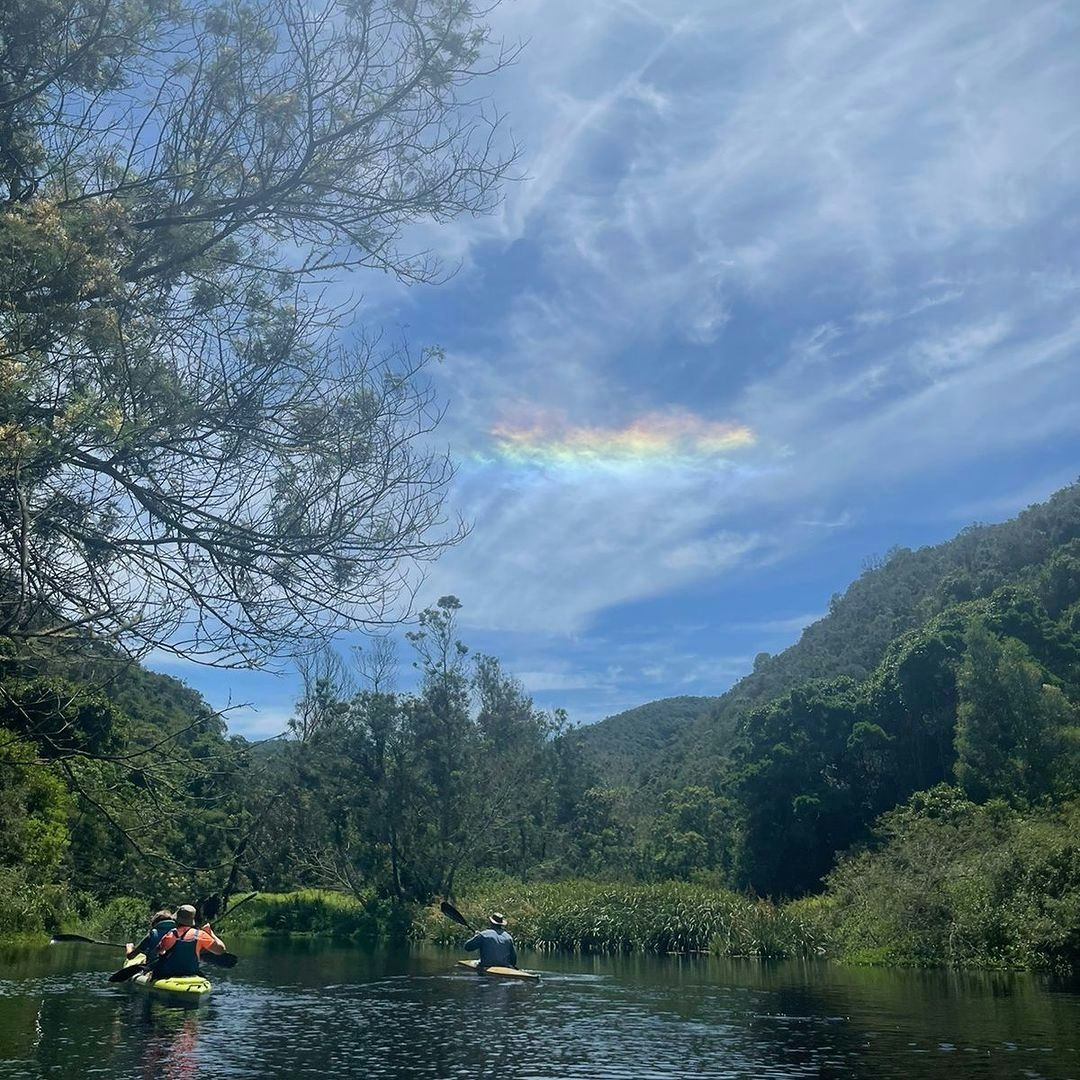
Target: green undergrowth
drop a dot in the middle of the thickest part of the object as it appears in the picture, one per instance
(673, 917)
(303, 913)
(28, 908)
(953, 883)
(320, 913)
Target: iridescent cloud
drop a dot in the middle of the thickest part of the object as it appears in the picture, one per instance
(669, 439)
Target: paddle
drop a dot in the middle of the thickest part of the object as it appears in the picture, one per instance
(452, 913)
(225, 960)
(87, 940)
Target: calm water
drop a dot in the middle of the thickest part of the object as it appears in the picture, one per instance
(296, 1010)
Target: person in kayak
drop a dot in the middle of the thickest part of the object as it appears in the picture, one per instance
(495, 944)
(161, 922)
(178, 950)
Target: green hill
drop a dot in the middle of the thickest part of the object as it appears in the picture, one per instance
(869, 705)
(624, 748)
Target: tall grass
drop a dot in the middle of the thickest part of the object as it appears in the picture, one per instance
(673, 917)
(40, 910)
(29, 908)
(572, 916)
(320, 913)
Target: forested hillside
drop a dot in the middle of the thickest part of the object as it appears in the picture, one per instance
(626, 748)
(954, 663)
(900, 592)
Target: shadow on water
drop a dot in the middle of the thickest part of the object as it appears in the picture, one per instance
(299, 1009)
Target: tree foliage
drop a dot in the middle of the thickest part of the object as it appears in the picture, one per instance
(189, 459)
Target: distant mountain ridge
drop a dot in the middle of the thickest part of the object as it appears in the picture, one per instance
(898, 593)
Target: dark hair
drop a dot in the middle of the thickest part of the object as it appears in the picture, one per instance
(159, 916)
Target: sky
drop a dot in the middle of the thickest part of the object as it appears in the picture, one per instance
(781, 285)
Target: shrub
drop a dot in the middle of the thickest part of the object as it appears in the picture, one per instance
(955, 883)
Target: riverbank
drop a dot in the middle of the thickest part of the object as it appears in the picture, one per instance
(869, 917)
(669, 917)
(575, 916)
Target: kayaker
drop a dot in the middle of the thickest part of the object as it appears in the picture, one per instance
(179, 949)
(495, 943)
(161, 922)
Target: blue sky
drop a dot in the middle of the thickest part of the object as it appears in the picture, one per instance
(784, 284)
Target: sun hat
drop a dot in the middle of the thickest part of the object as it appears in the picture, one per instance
(185, 915)
(497, 918)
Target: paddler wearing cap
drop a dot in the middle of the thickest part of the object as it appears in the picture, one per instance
(178, 950)
(495, 943)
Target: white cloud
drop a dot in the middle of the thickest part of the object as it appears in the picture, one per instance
(794, 624)
(840, 214)
(257, 724)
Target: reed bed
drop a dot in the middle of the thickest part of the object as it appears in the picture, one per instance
(672, 917)
(320, 913)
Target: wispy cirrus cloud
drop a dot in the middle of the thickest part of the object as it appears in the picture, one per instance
(849, 228)
(863, 160)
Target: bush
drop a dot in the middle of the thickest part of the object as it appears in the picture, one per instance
(959, 884)
(321, 913)
(27, 907)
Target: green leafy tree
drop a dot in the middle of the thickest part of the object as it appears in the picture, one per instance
(188, 459)
(34, 811)
(1012, 725)
(191, 458)
(692, 832)
(797, 787)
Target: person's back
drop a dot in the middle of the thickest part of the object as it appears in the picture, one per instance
(160, 924)
(179, 949)
(495, 944)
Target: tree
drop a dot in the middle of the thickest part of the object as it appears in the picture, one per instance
(799, 785)
(1013, 728)
(189, 460)
(692, 832)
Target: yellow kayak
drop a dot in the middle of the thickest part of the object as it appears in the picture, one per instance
(499, 972)
(176, 987)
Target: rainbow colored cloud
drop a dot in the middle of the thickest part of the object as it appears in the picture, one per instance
(669, 439)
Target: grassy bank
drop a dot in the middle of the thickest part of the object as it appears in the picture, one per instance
(673, 917)
(575, 916)
(320, 913)
(36, 911)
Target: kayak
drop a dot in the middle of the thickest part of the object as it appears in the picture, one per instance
(499, 972)
(176, 987)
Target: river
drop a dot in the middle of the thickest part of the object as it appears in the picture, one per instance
(301, 1009)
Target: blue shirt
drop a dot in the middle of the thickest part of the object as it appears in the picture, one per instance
(496, 948)
(148, 945)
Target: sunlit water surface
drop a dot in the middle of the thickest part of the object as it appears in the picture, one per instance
(302, 1010)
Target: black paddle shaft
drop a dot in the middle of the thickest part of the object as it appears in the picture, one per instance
(56, 938)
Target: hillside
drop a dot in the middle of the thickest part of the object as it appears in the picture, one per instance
(622, 748)
(958, 663)
(903, 593)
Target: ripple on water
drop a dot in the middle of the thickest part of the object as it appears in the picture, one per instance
(271, 1017)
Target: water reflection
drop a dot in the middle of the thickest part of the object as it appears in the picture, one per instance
(294, 1010)
(169, 1041)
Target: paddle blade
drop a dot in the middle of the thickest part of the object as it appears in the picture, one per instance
(208, 908)
(128, 971)
(224, 960)
(452, 912)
